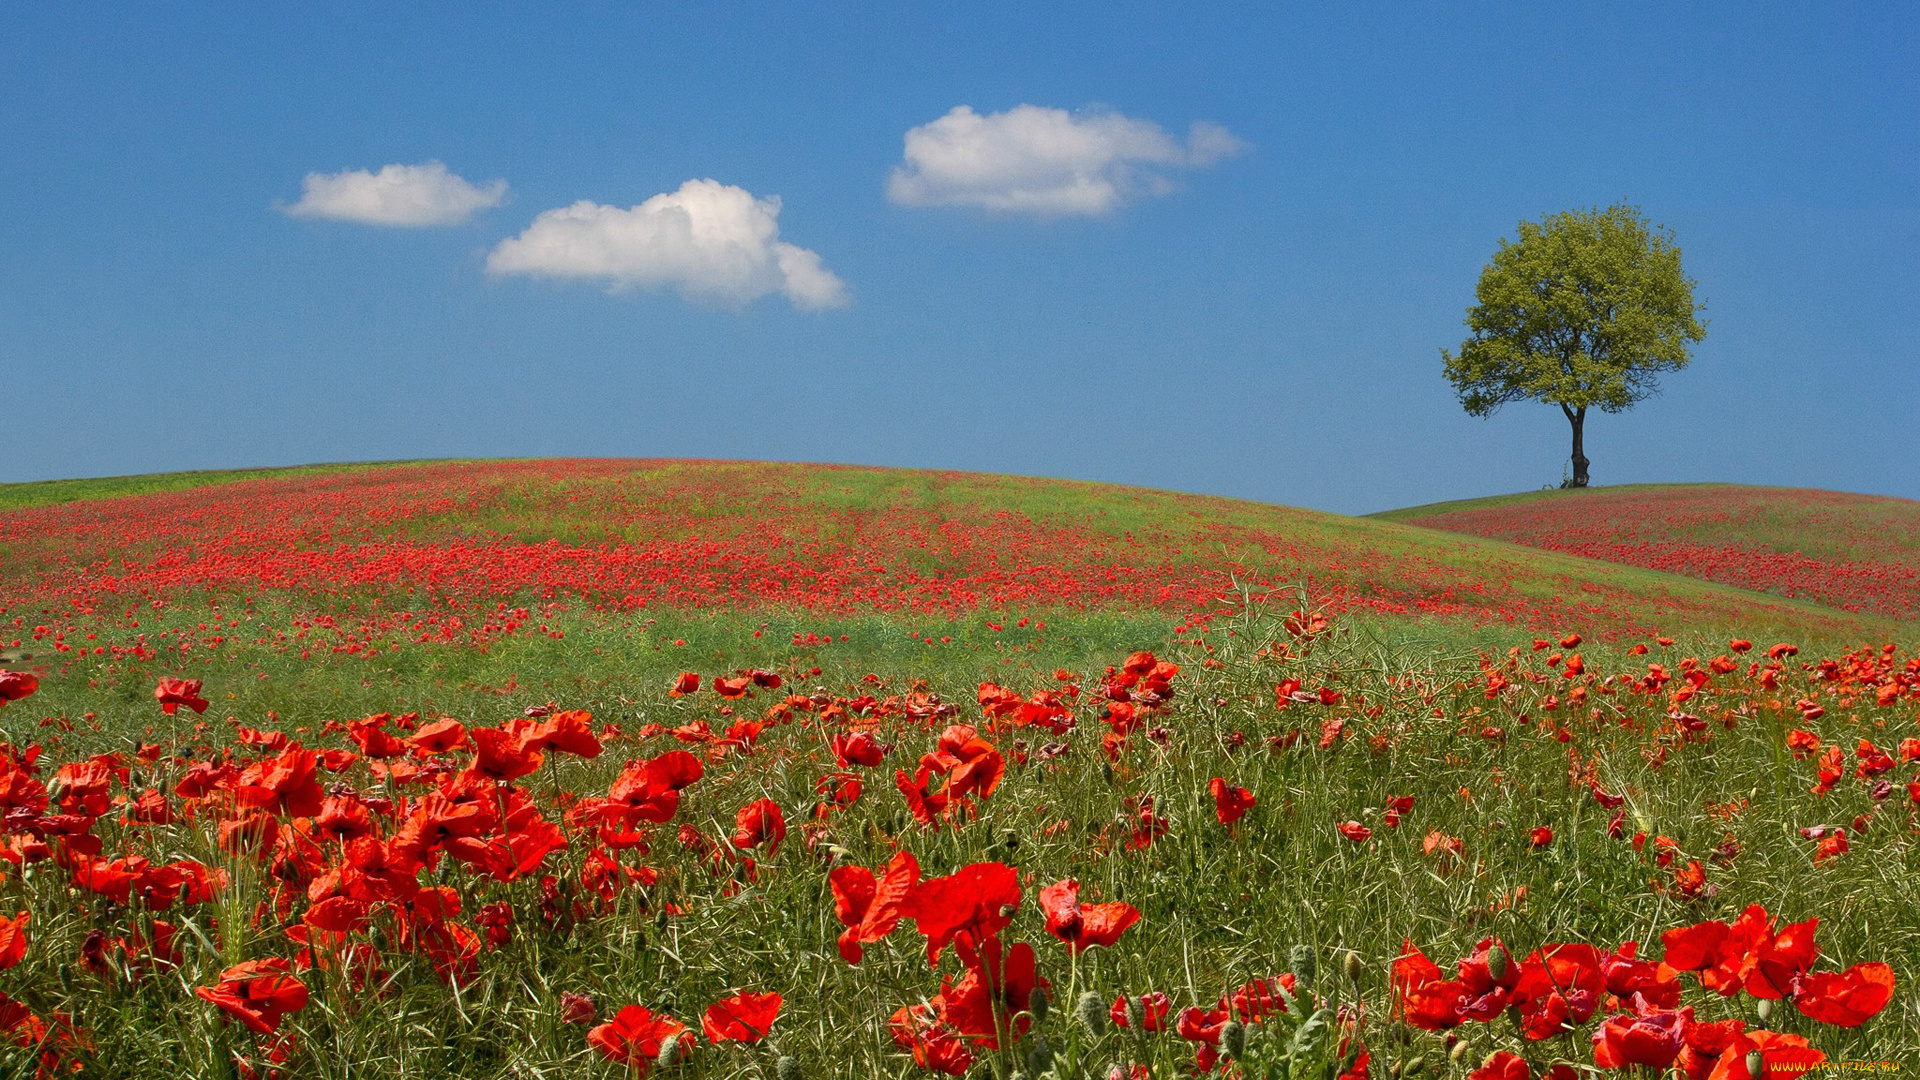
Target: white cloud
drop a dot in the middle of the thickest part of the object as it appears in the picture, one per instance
(1047, 161)
(409, 196)
(714, 242)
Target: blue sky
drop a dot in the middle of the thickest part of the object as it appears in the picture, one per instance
(1254, 307)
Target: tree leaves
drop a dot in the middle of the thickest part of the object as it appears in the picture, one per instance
(1584, 310)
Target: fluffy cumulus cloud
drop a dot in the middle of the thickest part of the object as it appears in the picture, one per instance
(713, 242)
(1047, 161)
(407, 196)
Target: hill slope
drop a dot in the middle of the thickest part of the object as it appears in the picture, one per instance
(1853, 552)
(425, 551)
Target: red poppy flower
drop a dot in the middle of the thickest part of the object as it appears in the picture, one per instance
(869, 908)
(990, 1002)
(687, 683)
(13, 940)
(978, 899)
(577, 1008)
(439, 737)
(633, 1037)
(173, 693)
(15, 685)
(1425, 999)
(258, 993)
(759, 822)
(1355, 832)
(1154, 1008)
(568, 732)
(741, 1018)
(1542, 836)
(650, 790)
(499, 755)
(1230, 804)
(857, 748)
(374, 741)
(1653, 1040)
(1846, 998)
(1083, 926)
(1502, 1065)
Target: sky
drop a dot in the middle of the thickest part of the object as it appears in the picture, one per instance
(1197, 247)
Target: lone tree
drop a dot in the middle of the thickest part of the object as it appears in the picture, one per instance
(1584, 311)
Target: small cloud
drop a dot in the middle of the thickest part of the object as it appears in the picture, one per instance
(406, 196)
(1047, 162)
(713, 242)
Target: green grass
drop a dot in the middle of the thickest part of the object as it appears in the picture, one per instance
(54, 492)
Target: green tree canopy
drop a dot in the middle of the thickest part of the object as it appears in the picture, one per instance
(1585, 310)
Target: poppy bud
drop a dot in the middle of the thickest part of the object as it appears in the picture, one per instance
(1092, 1013)
(1040, 1055)
(1497, 963)
(1766, 1010)
(670, 1052)
(1037, 1004)
(1354, 966)
(1233, 1039)
(1756, 1062)
(787, 1068)
(1413, 1067)
(1136, 1012)
(1460, 1051)
(1303, 962)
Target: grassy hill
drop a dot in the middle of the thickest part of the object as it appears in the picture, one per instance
(1858, 553)
(487, 769)
(411, 548)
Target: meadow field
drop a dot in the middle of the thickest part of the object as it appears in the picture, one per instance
(716, 769)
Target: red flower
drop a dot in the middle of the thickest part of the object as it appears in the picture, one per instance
(741, 1018)
(730, 688)
(439, 737)
(1425, 999)
(1542, 836)
(1845, 998)
(567, 732)
(687, 683)
(759, 822)
(858, 748)
(1503, 1065)
(173, 693)
(1083, 926)
(869, 908)
(576, 1008)
(499, 755)
(15, 685)
(995, 989)
(977, 900)
(633, 1037)
(1230, 804)
(1355, 832)
(13, 940)
(258, 993)
(1652, 1040)
(1154, 1008)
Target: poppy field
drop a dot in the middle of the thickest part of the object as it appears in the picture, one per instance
(706, 769)
(1854, 552)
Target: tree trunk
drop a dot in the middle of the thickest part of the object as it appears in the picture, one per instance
(1578, 418)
